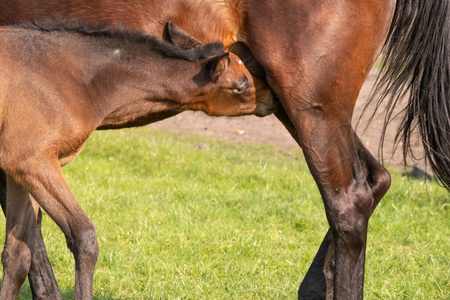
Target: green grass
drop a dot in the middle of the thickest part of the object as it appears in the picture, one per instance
(233, 222)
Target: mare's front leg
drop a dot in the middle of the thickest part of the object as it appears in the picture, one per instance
(43, 178)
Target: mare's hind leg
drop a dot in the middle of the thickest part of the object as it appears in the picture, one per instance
(43, 177)
(318, 281)
(21, 220)
(316, 64)
(333, 157)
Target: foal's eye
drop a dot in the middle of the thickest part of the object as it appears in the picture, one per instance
(241, 85)
(241, 89)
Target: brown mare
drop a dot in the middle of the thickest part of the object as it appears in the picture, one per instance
(315, 56)
(59, 82)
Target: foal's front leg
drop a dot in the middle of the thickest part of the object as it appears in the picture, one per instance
(21, 220)
(43, 284)
(42, 280)
(47, 185)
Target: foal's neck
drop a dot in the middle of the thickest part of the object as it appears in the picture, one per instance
(134, 88)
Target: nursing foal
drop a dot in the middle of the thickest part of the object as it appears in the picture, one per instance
(60, 82)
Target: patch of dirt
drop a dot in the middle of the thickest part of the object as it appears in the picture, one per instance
(270, 131)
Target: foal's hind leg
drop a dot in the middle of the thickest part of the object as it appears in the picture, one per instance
(20, 223)
(47, 185)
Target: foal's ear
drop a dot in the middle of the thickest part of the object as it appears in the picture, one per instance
(217, 64)
(181, 38)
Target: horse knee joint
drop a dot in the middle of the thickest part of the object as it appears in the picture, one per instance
(89, 246)
(85, 243)
(16, 259)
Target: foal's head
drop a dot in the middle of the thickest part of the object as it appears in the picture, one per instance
(226, 87)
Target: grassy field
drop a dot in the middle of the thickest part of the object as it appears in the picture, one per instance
(233, 221)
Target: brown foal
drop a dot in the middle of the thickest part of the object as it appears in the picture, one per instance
(60, 82)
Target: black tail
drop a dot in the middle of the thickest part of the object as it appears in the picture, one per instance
(416, 65)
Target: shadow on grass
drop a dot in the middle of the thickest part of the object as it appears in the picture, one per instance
(420, 174)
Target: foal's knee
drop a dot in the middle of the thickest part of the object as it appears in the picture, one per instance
(16, 259)
(83, 243)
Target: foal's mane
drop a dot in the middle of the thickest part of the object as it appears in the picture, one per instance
(124, 36)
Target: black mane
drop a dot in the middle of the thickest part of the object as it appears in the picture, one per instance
(125, 36)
